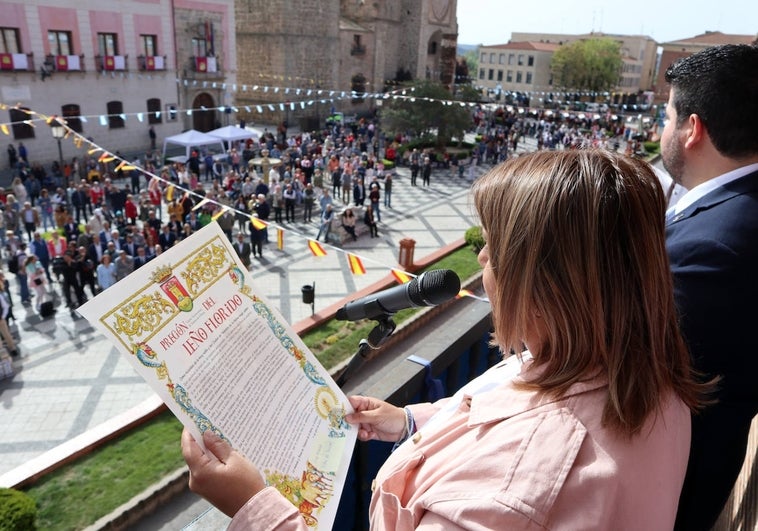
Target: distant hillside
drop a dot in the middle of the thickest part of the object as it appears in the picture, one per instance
(463, 48)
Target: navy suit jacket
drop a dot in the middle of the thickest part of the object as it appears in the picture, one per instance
(713, 249)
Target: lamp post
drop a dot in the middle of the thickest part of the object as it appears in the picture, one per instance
(58, 133)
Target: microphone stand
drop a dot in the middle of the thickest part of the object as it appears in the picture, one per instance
(383, 330)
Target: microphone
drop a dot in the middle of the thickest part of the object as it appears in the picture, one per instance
(429, 289)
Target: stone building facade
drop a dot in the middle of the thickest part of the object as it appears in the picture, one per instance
(318, 56)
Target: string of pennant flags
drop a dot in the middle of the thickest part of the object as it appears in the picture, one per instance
(317, 249)
(322, 96)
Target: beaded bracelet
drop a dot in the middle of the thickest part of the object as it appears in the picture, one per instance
(409, 430)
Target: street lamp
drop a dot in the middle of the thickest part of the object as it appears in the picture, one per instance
(58, 133)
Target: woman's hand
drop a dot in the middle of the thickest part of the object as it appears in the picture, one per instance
(376, 419)
(220, 474)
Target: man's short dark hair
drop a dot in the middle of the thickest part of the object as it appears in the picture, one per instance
(720, 85)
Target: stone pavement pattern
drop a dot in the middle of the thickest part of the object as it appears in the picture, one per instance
(70, 379)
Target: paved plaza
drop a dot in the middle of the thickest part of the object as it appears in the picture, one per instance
(69, 379)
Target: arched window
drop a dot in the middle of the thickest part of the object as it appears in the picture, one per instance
(154, 111)
(115, 110)
(71, 113)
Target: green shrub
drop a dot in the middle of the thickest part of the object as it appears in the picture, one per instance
(652, 147)
(18, 512)
(474, 238)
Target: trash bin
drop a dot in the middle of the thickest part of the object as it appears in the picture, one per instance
(405, 258)
(309, 294)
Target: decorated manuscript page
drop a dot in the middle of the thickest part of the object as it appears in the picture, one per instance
(223, 359)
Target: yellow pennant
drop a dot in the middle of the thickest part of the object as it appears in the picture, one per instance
(316, 248)
(356, 265)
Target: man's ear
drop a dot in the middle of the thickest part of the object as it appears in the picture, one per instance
(695, 131)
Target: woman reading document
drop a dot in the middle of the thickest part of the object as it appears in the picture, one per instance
(587, 427)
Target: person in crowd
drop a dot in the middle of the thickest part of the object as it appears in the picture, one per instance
(415, 161)
(566, 433)
(426, 171)
(35, 274)
(6, 314)
(106, 272)
(368, 219)
(71, 283)
(19, 191)
(86, 268)
(289, 197)
(141, 258)
(243, 249)
(373, 197)
(388, 191)
(326, 222)
(10, 216)
(45, 205)
(20, 271)
(348, 222)
(12, 157)
(39, 248)
(309, 197)
(124, 264)
(278, 200)
(30, 218)
(710, 146)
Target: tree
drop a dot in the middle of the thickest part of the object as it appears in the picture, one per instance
(427, 110)
(591, 65)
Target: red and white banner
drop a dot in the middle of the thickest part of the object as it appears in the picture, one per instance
(114, 62)
(14, 61)
(201, 64)
(154, 62)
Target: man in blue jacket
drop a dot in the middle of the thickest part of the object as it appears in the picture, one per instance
(710, 146)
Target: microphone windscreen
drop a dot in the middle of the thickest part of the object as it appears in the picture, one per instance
(438, 286)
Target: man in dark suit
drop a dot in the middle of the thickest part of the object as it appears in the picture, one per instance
(141, 258)
(710, 146)
(166, 238)
(243, 249)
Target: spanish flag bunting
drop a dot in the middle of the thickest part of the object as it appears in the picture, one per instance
(219, 213)
(93, 150)
(4, 129)
(356, 266)
(280, 239)
(170, 193)
(128, 167)
(106, 157)
(401, 276)
(257, 223)
(184, 197)
(463, 293)
(316, 248)
(121, 165)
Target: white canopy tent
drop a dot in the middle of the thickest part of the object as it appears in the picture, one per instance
(190, 139)
(232, 133)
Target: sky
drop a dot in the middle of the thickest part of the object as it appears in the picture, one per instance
(491, 22)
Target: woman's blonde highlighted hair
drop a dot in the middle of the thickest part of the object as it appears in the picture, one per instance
(576, 240)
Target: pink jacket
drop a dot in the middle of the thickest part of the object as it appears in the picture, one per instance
(506, 458)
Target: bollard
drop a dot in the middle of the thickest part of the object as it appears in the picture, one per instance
(405, 258)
